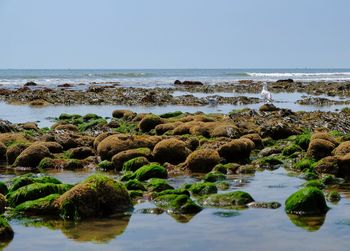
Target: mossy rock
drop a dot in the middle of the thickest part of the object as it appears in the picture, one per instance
(149, 122)
(120, 158)
(149, 171)
(289, 150)
(35, 191)
(202, 161)
(6, 232)
(41, 206)
(66, 116)
(91, 116)
(238, 150)
(49, 163)
(135, 185)
(222, 185)
(172, 150)
(203, 188)
(228, 200)
(171, 114)
(304, 164)
(158, 185)
(269, 162)
(106, 165)
(306, 201)
(315, 183)
(3, 203)
(3, 188)
(73, 164)
(177, 204)
(14, 151)
(214, 176)
(81, 152)
(328, 165)
(333, 196)
(97, 195)
(32, 156)
(320, 148)
(134, 164)
(30, 178)
(91, 124)
(303, 140)
(3, 150)
(178, 191)
(134, 194)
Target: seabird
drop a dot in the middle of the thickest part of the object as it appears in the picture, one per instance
(265, 94)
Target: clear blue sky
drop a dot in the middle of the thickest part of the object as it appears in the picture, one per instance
(174, 33)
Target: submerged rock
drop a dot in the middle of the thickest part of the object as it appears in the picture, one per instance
(306, 201)
(177, 204)
(149, 171)
(6, 232)
(203, 188)
(228, 200)
(269, 205)
(98, 195)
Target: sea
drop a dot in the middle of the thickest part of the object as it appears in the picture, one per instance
(150, 78)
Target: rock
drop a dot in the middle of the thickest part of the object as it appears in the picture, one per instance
(214, 176)
(267, 151)
(288, 80)
(177, 204)
(269, 205)
(149, 171)
(39, 102)
(30, 83)
(6, 232)
(255, 137)
(163, 128)
(3, 188)
(6, 126)
(325, 136)
(203, 188)
(134, 164)
(67, 127)
(291, 149)
(41, 206)
(342, 149)
(237, 150)
(106, 165)
(333, 196)
(277, 130)
(14, 151)
(306, 201)
(30, 126)
(314, 183)
(81, 152)
(30, 178)
(32, 156)
(98, 195)
(303, 140)
(188, 83)
(65, 85)
(304, 164)
(3, 203)
(269, 162)
(202, 161)
(35, 191)
(327, 165)
(171, 114)
(158, 185)
(268, 108)
(101, 137)
(114, 144)
(320, 148)
(149, 122)
(228, 200)
(53, 147)
(125, 114)
(120, 158)
(3, 150)
(135, 185)
(344, 165)
(171, 150)
(12, 138)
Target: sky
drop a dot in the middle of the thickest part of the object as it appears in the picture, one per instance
(167, 34)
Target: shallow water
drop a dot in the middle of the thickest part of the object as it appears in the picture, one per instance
(211, 229)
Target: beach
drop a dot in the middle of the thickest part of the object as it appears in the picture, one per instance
(134, 159)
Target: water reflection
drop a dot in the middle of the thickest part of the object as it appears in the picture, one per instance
(101, 230)
(309, 223)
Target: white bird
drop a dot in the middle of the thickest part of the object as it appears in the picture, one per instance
(265, 94)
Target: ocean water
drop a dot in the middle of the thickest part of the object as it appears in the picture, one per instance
(164, 77)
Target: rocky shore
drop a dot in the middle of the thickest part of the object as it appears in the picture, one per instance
(107, 93)
(144, 150)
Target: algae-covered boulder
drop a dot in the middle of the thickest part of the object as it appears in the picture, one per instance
(171, 150)
(120, 158)
(106, 165)
(163, 128)
(35, 191)
(98, 195)
(30, 178)
(344, 165)
(342, 149)
(320, 148)
(203, 188)
(53, 147)
(3, 188)
(255, 137)
(14, 151)
(214, 176)
(114, 144)
(149, 122)
(202, 161)
(158, 185)
(228, 200)
(6, 232)
(324, 136)
(333, 196)
(306, 201)
(3, 150)
(277, 130)
(135, 185)
(134, 164)
(237, 150)
(177, 204)
(41, 206)
(327, 165)
(32, 156)
(124, 114)
(3, 203)
(81, 152)
(149, 171)
(289, 150)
